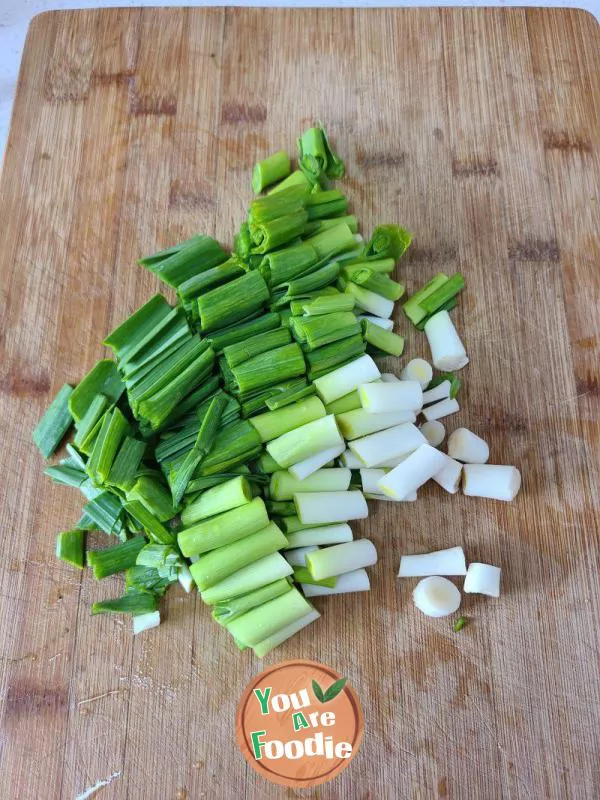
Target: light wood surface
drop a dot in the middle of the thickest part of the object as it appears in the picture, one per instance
(478, 130)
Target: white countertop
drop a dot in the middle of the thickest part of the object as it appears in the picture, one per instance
(15, 16)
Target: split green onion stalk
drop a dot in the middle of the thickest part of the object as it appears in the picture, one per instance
(207, 445)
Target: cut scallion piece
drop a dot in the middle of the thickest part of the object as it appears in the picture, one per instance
(443, 294)
(355, 581)
(275, 423)
(296, 392)
(455, 384)
(377, 282)
(348, 402)
(147, 522)
(346, 379)
(219, 564)
(112, 433)
(269, 368)
(200, 254)
(388, 241)
(234, 444)
(89, 420)
(265, 571)
(275, 233)
(103, 379)
(317, 226)
(230, 303)
(105, 511)
(313, 332)
(115, 559)
(283, 634)
(284, 265)
(323, 305)
(56, 421)
(341, 558)
(265, 620)
(124, 469)
(371, 301)
(138, 603)
(287, 203)
(332, 241)
(154, 496)
(297, 178)
(381, 339)
(325, 508)
(305, 441)
(331, 356)
(412, 307)
(224, 528)
(323, 204)
(70, 546)
(229, 610)
(243, 331)
(231, 494)
(270, 171)
(316, 158)
(237, 353)
(216, 276)
(158, 556)
(283, 485)
(359, 422)
(302, 575)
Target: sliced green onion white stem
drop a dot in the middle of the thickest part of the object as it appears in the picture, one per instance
(441, 562)
(283, 634)
(385, 445)
(370, 478)
(417, 370)
(355, 581)
(379, 398)
(498, 482)
(408, 476)
(263, 621)
(224, 528)
(441, 409)
(283, 485)
(482, 579)
(231, 494)
(272, 424)
(371, 302)
(439, 392)
(350, 460)
(323, 508)
(386, 324)
(320, 535)
(143, 622)
(304, 469)
(447, 350)
(436, 597)
(332, 561)
(297, 556)
(434, 432)
(346, 379)
(466, 446)
(357, 423)
(449, 476)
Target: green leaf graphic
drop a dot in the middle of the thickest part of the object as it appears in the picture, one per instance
(318, 692)
(335, 689)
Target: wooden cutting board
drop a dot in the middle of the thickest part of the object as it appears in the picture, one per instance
(478, 130)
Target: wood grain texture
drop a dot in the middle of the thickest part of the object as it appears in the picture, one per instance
(477, 129)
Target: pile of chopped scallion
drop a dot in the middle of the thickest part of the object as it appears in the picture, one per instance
(213, 446)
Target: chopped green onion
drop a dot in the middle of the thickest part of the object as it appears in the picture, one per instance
(317, 226)
(237, 353)
(155, 258)
(219, 564)
(388, 241)
(295, 393)
(371, 301)
(313, 281)
(316, 158)
(447, 291)
(70, 547)
(374, 281)
(217, 276)
(200, 254)
(341, 558)
(313, 332)
(297, 178)
(90, 419)
(280, 508)
(68, 476)
(143, 622)
(230, 303)
(103, 379)
(325, 359)
(455, 383)
(112, 433)
(275, 423)
(383, 265)
(355, 581)
(155, 530)
(266, 369)
(115, 559)
(284, 265)
(288, 202)
(412, 307)
(323, 204)
(267, 464)
(349, 402)
(223, 529)
(139, 328)
(154, 496)
(275, 233)
(384, 340)
(124, 469)
(231, 494)
(228, 610)
(263, 621)
(235, 443)
(293, 524)
(323, 305)
(145, 579)
(346, 379)
(244, 330)
(332, 241)
(305, 441)
(270, 171)
(262, 572)
(325, 508)
(166, 371)
(193, 400)
(105, 511)
(158, 556)
(360, 422)
(302, 575)
(138, 603)
(283, 634)
(283, 485)
(51, 428)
